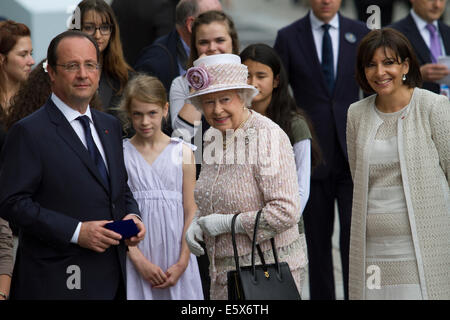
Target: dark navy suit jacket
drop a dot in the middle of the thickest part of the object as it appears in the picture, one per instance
(408, 27)
(328, 111)
(160, 59)
(49, 183)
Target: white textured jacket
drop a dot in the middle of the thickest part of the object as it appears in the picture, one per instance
(424, 151)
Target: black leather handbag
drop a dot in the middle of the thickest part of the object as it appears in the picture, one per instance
(260, 282)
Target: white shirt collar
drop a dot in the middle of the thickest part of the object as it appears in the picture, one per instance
(421, 24)
(316, 23)
(68, 112)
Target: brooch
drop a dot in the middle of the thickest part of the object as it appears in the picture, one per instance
(350, 37)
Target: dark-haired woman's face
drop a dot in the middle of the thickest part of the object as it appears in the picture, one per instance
(18, 62)
(93, 19)
(384, 73)
(213, 38)
(262, 78)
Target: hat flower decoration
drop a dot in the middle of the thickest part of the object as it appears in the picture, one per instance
(199, 78)
(218, 72)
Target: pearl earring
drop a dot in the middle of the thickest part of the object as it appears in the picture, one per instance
(404, 77)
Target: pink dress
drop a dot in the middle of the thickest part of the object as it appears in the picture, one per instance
(157, 189)
(244, 186)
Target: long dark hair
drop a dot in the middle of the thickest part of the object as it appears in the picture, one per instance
(114, 63)
(10, 33)
(282, 108)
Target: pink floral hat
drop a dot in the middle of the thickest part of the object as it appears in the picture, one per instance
(218, 72)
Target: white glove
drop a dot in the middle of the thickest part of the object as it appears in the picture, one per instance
(194, 234)
(216, 224)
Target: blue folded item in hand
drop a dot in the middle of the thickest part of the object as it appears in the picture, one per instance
(126, 228)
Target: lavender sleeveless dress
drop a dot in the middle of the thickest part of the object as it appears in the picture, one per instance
(158, 190)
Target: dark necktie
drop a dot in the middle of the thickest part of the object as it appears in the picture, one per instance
(93, 150)
(327, 58)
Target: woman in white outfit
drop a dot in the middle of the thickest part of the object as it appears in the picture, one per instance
(399, 154)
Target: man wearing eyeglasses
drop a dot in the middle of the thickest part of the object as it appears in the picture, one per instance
(63, 178)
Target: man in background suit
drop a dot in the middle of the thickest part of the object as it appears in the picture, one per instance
(319, 53)
(166, 58)
(63, 178)
(430, 38)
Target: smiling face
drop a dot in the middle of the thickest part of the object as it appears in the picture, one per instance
(18, 62)
(384, 73)
(146, 118)
(223, 110)
(93, 19)
(75, 88)
(213, 38)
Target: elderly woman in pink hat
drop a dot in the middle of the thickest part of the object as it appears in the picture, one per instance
(248, 165)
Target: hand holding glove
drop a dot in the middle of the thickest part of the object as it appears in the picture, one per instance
(216, 224)
(194, 234)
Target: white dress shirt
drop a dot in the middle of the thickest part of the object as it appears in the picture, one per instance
(317, 31)
(421, 25)
(71, 115)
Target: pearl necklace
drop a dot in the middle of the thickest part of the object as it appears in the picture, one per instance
(226, 141)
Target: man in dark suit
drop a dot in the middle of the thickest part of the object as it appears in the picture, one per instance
(63, 178)
(319, 53)
(430, 38)
(166, 58)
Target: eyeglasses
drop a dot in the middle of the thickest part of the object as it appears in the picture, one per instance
(91, 29)
(75, 67)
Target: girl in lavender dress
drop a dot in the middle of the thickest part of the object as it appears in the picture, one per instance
(161, 175)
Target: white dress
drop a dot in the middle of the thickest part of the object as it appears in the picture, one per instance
(157, 189)
(389, 246)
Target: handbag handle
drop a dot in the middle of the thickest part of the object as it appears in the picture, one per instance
(254, 245)
(233, 240)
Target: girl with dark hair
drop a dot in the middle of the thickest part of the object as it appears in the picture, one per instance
(99, 21)
(15, 64)
(267, 74)
(399, 156)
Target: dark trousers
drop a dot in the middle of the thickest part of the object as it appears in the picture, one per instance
(121, 294)
(319, 225)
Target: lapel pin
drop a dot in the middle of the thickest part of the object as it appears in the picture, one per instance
(350, 37)
(106, 131)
